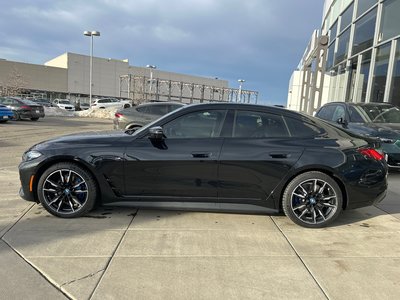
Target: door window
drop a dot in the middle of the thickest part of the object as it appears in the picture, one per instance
(339, 113)
(199, 124)
(256, 124)
(326, 112)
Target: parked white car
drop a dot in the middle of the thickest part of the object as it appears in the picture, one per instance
(110, 102)
(64, 104)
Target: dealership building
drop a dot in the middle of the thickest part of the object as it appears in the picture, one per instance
(353, 57)
(68, 76)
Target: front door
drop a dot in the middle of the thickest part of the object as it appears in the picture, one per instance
(181, 166)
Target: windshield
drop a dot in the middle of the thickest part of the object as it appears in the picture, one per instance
(391, 115)
(64, 102)
(28, 102)
(382, 113)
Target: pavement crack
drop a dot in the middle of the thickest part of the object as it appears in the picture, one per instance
(113, 254)
(301, 260)
(81, 278)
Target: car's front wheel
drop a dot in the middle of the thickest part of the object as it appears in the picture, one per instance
(66, 190)
(312, 199)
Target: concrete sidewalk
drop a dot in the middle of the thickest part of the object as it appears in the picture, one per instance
(122, 253)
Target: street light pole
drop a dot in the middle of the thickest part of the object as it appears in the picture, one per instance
(151, 67)
(91, 34)
(240, 90)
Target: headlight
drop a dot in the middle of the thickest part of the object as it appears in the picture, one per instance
(31, 155)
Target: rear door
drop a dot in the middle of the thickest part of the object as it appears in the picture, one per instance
(256, 157)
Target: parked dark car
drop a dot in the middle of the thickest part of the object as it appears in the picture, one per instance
(43, 102)
(220, 156)
(379, 120)
(23, 109)
(5, 114)
(138, 116)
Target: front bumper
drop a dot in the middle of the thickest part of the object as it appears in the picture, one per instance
(28, 178)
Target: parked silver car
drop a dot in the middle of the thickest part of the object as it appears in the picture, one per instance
(138, 116)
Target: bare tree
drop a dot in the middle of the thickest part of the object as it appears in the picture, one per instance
(15, 84)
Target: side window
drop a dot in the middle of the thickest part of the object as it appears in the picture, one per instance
(355, 116)
(302, 129)
(326, 112)
(142, 109)
(254, 124)
(158, 110)
(172, 107)
(339, 113)
(199, 124)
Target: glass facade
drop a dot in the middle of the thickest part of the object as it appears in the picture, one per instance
(363, 54)
(365, 64)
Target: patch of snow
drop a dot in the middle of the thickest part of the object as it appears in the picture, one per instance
(57, 112)
(107, 113)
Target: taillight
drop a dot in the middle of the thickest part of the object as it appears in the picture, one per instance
(26, 107)
(371, 153)
(118, 115)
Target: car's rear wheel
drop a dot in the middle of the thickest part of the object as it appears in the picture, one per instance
(312, 199)
(34, 119)
(17, 116)
(127, 105)
(66, 190)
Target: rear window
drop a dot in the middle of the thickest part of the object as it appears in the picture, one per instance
(302, 129)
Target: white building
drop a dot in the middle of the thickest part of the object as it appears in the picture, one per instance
(68, 76)
(361, 61)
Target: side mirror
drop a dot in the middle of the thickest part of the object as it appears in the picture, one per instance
(156, 133)
(341, 121)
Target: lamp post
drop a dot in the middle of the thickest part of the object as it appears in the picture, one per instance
(151, 67)
(91, 34)
(240, 90)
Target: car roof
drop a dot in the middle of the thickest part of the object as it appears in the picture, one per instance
(161, 102)
(360, 103)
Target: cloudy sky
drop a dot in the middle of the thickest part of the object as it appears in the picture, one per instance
(260, 41)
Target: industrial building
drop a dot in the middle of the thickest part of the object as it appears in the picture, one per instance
(68, 76)
(353, 57)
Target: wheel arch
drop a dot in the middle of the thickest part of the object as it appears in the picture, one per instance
(328, 172)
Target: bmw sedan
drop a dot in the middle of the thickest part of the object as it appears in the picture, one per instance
(220, 156)
(377, 120)
(23, 108)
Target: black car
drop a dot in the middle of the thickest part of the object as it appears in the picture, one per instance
(23, 108)
(221, 156)
(377, 120)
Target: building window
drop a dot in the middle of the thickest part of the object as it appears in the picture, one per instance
(333, 32)
(346, 18)
(390, 22)
(331, 53)
(343, 46)
(394, 96)
(364, 32)
(364, 75)
(352, 80)
(380, 73)
(364, 5)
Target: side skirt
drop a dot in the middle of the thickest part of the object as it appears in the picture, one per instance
(197, 206)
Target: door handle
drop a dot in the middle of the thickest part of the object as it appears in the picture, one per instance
(201, 154)
(279, 155)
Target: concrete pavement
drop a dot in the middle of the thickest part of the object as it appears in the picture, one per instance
(123, 253)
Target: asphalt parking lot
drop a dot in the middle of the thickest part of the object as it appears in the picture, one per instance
(118, 253)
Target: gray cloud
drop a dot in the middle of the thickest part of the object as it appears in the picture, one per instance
(259, 40)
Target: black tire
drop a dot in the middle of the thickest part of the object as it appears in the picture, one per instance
(34, 119)
(127, 105)
(66, 190)
(312, 199)
(17, 116)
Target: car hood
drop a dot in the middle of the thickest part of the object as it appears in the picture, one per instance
(381, 130)
(100, 138)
